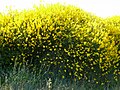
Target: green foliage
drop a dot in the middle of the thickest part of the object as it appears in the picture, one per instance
(71, 42)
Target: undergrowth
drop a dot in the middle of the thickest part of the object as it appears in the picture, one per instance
(23, 79)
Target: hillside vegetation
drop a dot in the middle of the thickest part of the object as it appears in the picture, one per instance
(70, 43)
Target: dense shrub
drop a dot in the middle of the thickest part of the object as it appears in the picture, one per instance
(69, 41)
(113, 25)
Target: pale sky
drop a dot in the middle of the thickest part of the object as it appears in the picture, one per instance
(102, 8)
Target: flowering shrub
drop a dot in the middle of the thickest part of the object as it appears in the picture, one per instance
(71, 42)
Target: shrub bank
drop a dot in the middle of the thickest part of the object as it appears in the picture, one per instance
(69, 41)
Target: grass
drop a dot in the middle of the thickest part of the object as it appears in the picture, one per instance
(23, 79)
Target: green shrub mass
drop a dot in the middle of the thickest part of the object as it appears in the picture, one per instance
(70, 42)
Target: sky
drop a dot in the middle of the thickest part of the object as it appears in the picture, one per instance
(102, 8)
